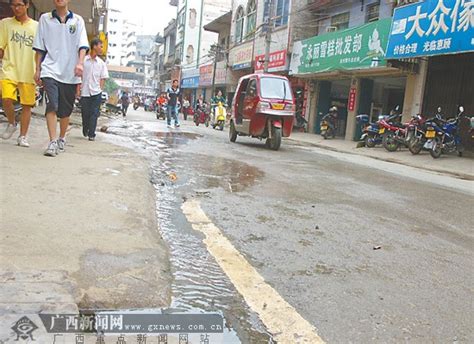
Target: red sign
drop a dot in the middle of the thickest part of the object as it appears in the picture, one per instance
(352, 100)
(205, 75)
(276, 59)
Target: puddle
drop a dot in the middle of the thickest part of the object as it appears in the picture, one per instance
(230, 175)
(199, 284)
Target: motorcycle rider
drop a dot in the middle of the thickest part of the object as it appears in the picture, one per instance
(214, 103)
(332, 117)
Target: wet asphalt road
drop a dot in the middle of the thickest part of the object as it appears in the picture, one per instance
(363, 254)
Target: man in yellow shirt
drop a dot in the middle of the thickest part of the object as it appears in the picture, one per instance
(16, 42)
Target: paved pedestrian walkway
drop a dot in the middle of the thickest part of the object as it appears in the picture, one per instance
(448, 164)
(78, 230)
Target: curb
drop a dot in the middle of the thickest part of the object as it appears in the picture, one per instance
(457, 175)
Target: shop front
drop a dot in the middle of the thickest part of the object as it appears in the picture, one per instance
(440, 32)
(208, 79)
(347, 69)
(240, 64)
(190, 84)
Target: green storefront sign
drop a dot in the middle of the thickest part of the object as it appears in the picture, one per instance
(360, 47)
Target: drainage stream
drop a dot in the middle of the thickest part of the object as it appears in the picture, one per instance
(199, 284)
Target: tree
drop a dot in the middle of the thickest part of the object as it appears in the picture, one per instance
(111, 86)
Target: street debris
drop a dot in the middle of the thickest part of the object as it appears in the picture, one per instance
(173, 177)
(377, 247)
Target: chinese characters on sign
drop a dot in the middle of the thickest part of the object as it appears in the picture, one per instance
(276, 59)
(355, 48)
(241, 56)
(352, 99)
(432, 27)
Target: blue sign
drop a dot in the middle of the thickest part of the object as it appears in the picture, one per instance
(432, 27)
(192, 82)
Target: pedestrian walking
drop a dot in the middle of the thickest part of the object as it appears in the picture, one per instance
(93, 82)
(173, 94)
(61, 45)
(125, 100)
(18, 68)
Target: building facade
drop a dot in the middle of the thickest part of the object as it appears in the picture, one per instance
(122, 38)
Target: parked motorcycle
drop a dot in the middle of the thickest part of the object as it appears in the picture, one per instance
(300, 122)
(418, 130)
(443, 136)
(371, 132)
(394, 133)
(201, 115)
(329, 124)
(219, 116)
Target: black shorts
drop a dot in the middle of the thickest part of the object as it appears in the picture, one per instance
(60, 97)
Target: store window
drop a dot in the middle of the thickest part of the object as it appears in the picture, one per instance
(372, 12)
(190, 54)
(340, 21)
(239, 25)
(251, 19)
(192, 18)
(282, 12)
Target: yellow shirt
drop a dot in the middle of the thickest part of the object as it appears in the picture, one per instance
(16, 40)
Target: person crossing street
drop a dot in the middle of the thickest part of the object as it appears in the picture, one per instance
(173, 96)
(16, 40)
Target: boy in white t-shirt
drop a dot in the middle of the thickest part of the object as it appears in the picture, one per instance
(60, 43)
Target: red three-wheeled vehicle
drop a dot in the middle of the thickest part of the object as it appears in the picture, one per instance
(264, 108)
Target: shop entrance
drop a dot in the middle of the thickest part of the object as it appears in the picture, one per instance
(333, 93)
(449, 84)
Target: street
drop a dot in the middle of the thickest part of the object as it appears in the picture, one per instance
(352, 253)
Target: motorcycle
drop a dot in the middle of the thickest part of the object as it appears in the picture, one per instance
(393, 131)
(328, 126)
(372, 132)
(418, 132)
(219, 116)
(443, 136)
(161, 111)
(301, 122)
(201, 116)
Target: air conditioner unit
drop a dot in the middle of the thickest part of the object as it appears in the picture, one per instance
(331, 29)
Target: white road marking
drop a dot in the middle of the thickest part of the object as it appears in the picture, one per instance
(281, 319)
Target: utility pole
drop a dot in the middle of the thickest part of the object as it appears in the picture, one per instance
(216, 49)
(268, 34)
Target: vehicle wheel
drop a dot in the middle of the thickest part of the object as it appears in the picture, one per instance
(436, 149)
(415, 146)
(275, 142)
(390, 143)
(369, 142)
(324, 134)
(232, 132)
(221, 127)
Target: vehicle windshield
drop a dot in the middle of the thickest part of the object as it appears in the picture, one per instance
(275, 88)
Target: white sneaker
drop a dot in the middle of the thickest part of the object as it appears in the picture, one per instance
(9, 131)
(52, 149)
(22, 142)
(61, 145)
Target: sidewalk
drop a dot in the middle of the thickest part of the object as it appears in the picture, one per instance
(78, 231)
(447, 164)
